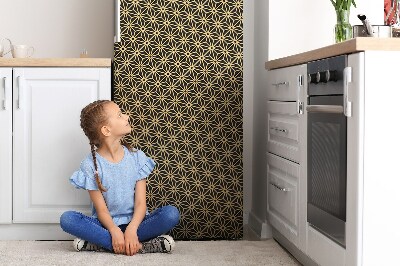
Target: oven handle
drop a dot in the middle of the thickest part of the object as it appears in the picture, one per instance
(335, 109)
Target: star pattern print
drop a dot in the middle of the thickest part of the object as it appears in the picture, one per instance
(178, 74)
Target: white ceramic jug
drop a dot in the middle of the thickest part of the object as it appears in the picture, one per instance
(2, 53)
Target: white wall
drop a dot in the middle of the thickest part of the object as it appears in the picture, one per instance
(248, 90)
(60, 28)
(257, 217)
(301, 25)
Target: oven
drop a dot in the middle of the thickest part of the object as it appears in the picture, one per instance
(327, 148)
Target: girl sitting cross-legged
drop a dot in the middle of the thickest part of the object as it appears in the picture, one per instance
(115, 176)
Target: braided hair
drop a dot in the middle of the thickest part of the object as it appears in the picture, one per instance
(93, 117)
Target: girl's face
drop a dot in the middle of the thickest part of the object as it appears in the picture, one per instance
(117, 122)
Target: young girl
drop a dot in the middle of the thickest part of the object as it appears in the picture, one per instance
(115, 177)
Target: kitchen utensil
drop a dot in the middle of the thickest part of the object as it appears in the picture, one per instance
(2, 53)
(367, 26)
(368, 30)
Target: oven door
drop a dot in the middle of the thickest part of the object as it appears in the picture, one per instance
(327, 166)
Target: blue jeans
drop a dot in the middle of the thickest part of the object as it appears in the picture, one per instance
(158, 222)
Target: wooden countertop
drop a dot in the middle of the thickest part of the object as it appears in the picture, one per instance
(55, 62)
(348, 47)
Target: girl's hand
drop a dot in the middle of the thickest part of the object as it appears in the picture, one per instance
(132, 244)
(118, 241)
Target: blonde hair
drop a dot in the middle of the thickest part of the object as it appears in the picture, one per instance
(93, 117)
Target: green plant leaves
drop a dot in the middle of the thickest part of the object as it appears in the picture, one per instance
(343, 4)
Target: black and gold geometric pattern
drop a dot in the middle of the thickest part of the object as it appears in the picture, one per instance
(178, 73)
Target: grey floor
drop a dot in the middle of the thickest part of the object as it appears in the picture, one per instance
(249, 251)
(249, 235)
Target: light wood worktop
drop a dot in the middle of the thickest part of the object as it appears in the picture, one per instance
(55, 62)
(347, 47)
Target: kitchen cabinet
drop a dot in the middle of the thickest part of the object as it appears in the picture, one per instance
(283, 196)
(371, 108)
(6, 146)
(285, 124)
(42, 144)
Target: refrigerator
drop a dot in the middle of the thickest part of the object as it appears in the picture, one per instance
(178, 74)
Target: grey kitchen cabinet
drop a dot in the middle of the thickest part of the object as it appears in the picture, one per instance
(285, 127)
(370, 104)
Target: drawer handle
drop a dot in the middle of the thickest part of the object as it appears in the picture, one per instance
(20, 89)
(284, 83)
(279, 129)
(279, 187)
(5, 93)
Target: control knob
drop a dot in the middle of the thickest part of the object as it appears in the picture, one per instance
(314, 78)
(325, 76)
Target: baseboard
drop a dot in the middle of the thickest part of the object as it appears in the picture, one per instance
(33, 232)
(292, 249)
(260, 228)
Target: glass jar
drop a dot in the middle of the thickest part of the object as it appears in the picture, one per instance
(343, 30)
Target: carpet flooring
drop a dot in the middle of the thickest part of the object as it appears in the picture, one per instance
(221, 253)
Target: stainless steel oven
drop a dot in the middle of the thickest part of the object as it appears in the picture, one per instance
(327, 148)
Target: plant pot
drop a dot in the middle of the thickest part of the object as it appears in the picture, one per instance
(343, 30)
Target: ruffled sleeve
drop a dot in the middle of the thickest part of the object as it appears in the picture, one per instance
(84, 177)
(145, 165)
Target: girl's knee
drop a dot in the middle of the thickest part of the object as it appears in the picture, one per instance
(67, 218)
(172, 214)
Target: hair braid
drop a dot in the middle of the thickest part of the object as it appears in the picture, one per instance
(96, 173)
(92, 118)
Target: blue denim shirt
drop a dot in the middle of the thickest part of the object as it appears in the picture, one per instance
(118, 178)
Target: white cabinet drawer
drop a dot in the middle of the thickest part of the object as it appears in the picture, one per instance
(283, 196)
(283, 83)
(283, 130)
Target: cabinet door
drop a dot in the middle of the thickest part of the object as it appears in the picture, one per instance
(284, 83)
(283, 196)
(283, 130)
(5, 146)
(48, 141)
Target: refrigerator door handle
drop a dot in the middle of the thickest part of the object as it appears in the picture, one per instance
(117, 22)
